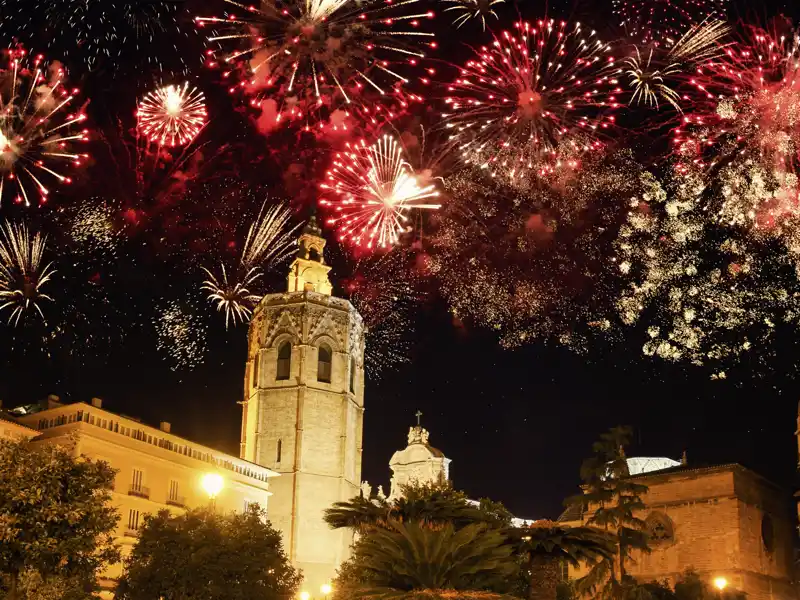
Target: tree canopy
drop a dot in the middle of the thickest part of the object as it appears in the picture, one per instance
(56, 519)
(204, 554)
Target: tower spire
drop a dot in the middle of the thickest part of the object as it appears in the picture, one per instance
(308, 272)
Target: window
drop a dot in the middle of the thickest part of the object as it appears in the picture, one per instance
(352, 375)
(324, 363)
(767, 533)
(278, 452)
(659, 528)
(284, 361)
(138, 479)
(255, 369)
(313, 254)
(133, 520)
(173, 490)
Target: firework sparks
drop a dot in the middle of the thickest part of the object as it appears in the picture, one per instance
(664, 21)
(97, 33)
(705, 293)
(233, 298)
(746, 103)
(172, 115)
(531, 264)
(23, 274)
(323, 53)
(649, 76)
(269, 242)
(371, 189)
(472, 9)
(91, 224)
(37, 133)
(536, 93)
(181, 335)
(385, 289)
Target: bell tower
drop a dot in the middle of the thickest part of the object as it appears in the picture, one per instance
(304, 408)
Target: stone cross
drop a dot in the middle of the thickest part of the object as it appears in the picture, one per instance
(418, 414)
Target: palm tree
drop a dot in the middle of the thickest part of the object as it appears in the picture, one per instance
(546, 545)
(432, 504)
(413, 560)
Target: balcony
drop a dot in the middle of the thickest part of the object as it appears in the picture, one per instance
(178, 501)
(139, 491)
(131, 532)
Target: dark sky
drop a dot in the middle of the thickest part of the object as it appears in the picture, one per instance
(515, 423)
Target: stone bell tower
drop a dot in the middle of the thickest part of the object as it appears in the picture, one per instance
(304, 408)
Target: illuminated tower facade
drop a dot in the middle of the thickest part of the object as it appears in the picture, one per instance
(304, 408)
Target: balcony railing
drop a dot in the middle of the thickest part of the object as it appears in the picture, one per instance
(178, 501)
(139, 490)
(131, 532)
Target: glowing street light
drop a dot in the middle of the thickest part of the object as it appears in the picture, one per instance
(326, 589)
(720, 583)
(212, 484)
(305, 596)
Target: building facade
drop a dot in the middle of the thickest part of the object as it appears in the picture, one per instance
(721, 521)
(155, 469)
(419, 462)
(304, 408)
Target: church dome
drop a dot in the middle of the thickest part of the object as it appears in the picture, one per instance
(639, 465)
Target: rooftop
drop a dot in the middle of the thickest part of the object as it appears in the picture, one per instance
(53, 414)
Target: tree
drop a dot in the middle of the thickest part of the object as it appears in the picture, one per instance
(56, 518)
(203, 554)
(545, 546)
(431, 503)
(614, 498)
(415, 560)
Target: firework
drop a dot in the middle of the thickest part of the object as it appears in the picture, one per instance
(23, 274)
(269, 242)
(537, 94)
(664, 21)
(232, 298)
(172, 115)
(745, 102)
(371, 190)
(705, 294)
(315, 54)
(386, 289)
(38, 134)
(531, 264)
(99, 33)
(181, 334)
(92, 225)
(472, 9)
(650, 73)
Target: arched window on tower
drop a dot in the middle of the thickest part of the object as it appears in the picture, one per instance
(352, 375)
(313, 254)
(324, 363)
(256, 362)
(284, 361)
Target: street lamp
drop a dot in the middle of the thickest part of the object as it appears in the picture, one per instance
(212, 484)
(326, 589)
(720, 583)
(305, 596)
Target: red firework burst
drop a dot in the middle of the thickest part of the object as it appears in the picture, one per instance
(371, 190)
(746, 103)
(665, 21)
(308, 59)
(535, 100)
(38, 133)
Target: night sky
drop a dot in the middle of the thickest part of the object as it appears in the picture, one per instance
(516, 424)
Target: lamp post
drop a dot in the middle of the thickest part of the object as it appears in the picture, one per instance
(212, 484)
(326, 590)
